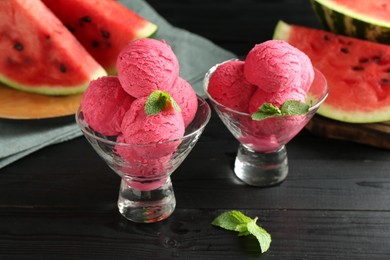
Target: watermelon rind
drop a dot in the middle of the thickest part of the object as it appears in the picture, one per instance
(53, 90)
(342, 20)
(282, 32)
(148, 31)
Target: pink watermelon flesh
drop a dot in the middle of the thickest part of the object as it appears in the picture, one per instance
(103, 27)
(38, 54)
(357, 71)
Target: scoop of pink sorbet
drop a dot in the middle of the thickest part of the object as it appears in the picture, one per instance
(228, 86)
(275, 65)
(154, 131)
(104, 104)
(146, 65)
(185, 96)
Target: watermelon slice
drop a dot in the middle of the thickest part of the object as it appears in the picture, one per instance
(357, 71)
(357, 18)
(103, 27)
(38, 54)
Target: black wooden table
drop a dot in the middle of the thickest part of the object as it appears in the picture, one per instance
(60, 202)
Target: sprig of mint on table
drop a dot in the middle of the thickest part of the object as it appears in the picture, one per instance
(289, 108)
(236, 221)
(158, 101)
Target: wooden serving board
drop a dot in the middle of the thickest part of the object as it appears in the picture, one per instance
(15, 104)
(373, 134)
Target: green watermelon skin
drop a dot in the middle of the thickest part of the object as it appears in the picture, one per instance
(358, 23)
(38, 54)
(357, 72)
(103, 27)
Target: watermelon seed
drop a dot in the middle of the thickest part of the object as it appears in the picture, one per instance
(326, 37)
(385, 81)
(105, 34)
(363, 60)
(344, 50)
(62, 68)
(358, 68)
(86, 19)
(95, 44)
(18, 46)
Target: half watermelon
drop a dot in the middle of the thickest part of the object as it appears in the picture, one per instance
(357, 18)
(38, 54)
(103, 27)
(357, 71)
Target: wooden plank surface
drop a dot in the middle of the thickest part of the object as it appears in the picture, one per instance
(373, 134)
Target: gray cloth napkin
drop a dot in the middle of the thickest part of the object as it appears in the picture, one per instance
(195, 54)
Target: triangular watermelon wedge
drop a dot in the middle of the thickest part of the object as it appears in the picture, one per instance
(357, 71)
(103, 27)
(38, 54)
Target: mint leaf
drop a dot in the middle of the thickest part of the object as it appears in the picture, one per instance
(266, 110)
(236, 221)
(294, 107)
(289, 108)
(158, 101)
(261, 234)
(230, 220)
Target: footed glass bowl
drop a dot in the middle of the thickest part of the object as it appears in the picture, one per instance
(146, 194)
(262, 157)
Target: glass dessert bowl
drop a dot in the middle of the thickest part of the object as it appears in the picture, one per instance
(262, 157)
(146, 194)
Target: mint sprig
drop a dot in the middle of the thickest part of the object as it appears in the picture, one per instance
(234, 220)
(158, 101)
(289, 108)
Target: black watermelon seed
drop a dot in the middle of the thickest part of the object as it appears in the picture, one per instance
(344, 50)
(358, 68)
(86, 19)
(18, 46)
(327, 38)
(95, 44)
(385, 81)
(105, 34)
(63, 68)
(363, 60)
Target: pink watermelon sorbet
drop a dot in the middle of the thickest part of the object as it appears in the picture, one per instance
(228, 86)
(159, 129)
(185, 96)
(104, 104)
(115, 106)
(276, 66)
(146, 65)
(273, 72)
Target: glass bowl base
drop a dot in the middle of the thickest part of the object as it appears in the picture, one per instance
(146, 206)
(261, 169)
